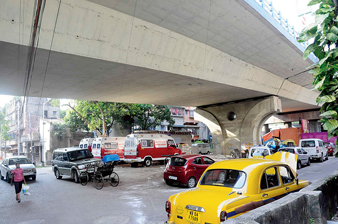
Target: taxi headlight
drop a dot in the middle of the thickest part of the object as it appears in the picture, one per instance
(81, 167)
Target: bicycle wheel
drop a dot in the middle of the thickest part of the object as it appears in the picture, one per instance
(114, 179)
(84, 179)
(98, 181)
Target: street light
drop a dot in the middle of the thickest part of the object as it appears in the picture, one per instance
(43, 156)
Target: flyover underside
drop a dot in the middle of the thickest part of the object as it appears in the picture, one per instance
(71, 76)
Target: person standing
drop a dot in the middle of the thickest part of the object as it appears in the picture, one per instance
(17, 176)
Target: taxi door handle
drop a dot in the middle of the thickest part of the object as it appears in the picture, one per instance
(287, 188)
(265, 195)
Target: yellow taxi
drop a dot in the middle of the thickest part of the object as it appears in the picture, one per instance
(230, 188)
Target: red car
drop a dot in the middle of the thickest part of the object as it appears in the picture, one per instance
(330, 147)
(186, 169)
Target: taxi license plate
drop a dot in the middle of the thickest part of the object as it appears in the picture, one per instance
(193, 216)
(172, 178)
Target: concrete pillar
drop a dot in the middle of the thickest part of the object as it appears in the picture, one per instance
(234, 125)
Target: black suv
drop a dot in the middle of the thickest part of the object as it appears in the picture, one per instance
(73, 162)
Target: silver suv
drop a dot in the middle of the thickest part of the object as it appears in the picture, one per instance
(73, 162)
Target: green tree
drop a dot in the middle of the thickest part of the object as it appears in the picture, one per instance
(101, 116)
(324, 34)
(4, 128)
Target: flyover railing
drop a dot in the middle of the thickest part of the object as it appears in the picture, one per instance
(281, 20)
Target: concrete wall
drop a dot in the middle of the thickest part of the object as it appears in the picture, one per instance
(316, 203)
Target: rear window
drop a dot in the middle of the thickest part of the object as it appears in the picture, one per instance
(287, 150)
(326, 143)
(177, 161)
(308, 143)
(224, 178)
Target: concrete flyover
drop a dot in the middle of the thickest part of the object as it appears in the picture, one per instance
(171, 52)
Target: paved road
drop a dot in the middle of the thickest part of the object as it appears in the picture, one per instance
(139, 198)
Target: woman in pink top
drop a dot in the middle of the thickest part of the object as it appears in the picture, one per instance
(18, 180)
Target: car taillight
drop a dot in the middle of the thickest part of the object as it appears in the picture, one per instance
(317, 149)
(168, 207)
(223, 216)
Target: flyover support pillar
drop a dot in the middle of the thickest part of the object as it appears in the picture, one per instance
(237, 125)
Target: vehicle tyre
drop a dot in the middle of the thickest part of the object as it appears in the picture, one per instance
(84, 180)
(98, 181)
(321, 158)
(169, 182)
(114, 179)
(191, 182)
(299, 165)
(308, 162)
(327, 156)
(76, 176)
(7, 178)
(147, 162)
(33, 178)
(57, 174)
(1, 177)
(134, 164)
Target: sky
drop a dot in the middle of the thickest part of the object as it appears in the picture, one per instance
(290, 9)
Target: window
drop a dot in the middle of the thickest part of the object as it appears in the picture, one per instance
(299, 151)
(207, 160)
(270, 178)
(176, 161)
(147, 143)
(198, 161)
(224, 178)
(308, 143)
(65, 157)
(98, 146)
(171, 142)
(112, 145)
(286, 174)
(45, 113)
(320, 144)
(54, 113)
(85, 146)
(94, 146)
(81, 146)
(191, 113)
(186, 112)
(79, 154)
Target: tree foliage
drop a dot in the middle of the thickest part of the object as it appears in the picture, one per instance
(4, 128)
(101, 116)
(324, 33)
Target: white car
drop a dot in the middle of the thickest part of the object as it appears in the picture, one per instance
(315, 148)
(7, 165)
(303, 158)
(259, 152)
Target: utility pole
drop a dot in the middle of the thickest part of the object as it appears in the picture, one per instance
(19, 131)
(30, 134)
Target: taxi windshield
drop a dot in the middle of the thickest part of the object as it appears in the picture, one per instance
(224, 178)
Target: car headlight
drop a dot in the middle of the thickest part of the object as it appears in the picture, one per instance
(34, 170)
(81, 167)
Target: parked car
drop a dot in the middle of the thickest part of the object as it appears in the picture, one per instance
(186, 169)
(73, 162)
(330, 147)
(315, 148)
(230, 188)
(259, 152)
(7, 165)
(303, 158)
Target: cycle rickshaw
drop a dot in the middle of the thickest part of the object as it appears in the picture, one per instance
(103, 173)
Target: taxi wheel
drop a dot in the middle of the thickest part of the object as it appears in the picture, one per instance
(191, 182)
(147, 162)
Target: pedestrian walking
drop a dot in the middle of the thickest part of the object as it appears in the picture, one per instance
(17, 176)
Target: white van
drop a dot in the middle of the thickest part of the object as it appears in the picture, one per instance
(315, 148)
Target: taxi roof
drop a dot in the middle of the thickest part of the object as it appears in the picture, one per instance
(243, 164)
